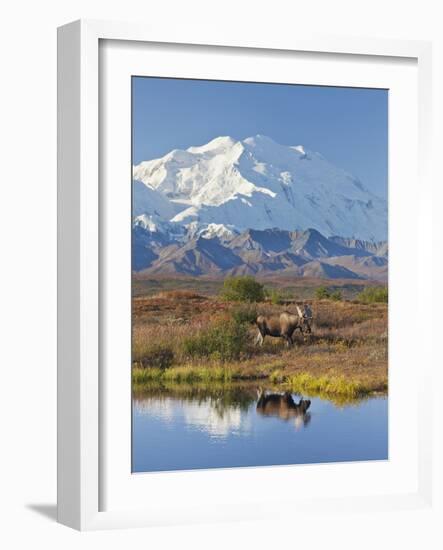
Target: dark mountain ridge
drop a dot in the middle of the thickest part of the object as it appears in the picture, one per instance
(260, 252)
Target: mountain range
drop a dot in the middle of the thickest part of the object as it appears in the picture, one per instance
(255, 207)
(258, 252)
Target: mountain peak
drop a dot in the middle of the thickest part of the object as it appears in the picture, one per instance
(217, 144)
(300, 149)
(259, 138)
(257, 183)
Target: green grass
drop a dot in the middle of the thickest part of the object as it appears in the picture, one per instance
(324, 293)
(154, 355)
(373, 294)
(142, 376)
(222, 341)
(277, 376)
(242, 289)
(193, 373)
(328, 385)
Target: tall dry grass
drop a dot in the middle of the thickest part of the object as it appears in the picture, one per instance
(348, 340)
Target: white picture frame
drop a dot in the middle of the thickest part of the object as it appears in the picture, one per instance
(82, 398)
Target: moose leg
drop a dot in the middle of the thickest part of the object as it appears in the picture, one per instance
(306, 332)
(260, 338)
(300, 328)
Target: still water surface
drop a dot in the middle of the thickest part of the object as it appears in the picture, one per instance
(191, 427)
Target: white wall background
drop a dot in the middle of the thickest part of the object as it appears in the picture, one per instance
(28, 270)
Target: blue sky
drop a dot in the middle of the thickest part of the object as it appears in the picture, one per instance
(348, 126)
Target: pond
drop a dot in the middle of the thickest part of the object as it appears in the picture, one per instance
(185, 427)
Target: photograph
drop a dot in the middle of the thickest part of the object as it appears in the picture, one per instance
(259, 274)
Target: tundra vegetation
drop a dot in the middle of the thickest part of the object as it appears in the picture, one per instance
(243, 289)
(323, 293)
(374, 294)
(204, 334)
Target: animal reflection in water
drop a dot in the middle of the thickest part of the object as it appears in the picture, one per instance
(283, 406)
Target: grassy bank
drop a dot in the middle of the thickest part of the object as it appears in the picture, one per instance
(184, 336)
(300, 382)
(142, 376)
(333, 385)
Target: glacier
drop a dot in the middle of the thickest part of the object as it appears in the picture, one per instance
(228, 186)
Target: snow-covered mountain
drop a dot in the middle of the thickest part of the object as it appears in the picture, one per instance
(228, 186)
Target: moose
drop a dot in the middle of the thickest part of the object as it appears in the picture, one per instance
(284, 325)
(283, 406)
